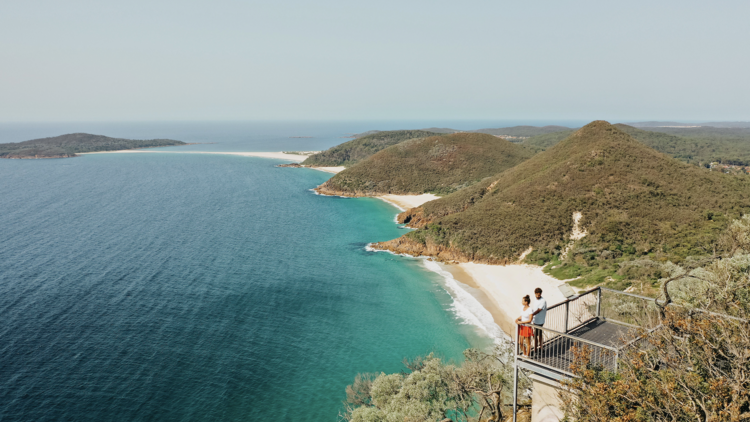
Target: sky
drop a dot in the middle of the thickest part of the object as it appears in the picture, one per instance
(374, 60)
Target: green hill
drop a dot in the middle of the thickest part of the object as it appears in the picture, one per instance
(522, 131)
(699, 146)
(438, 164)
(68, 145)
(358, 149)
(548, 139)
(633, 200)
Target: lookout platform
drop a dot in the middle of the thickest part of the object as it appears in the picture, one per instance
(600, 322)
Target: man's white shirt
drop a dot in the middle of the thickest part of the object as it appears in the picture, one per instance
(539, 318)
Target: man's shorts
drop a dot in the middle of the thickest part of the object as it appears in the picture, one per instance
(537, 331)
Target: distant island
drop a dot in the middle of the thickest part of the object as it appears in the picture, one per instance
(69, 145)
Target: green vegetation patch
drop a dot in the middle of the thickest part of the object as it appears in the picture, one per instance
(358, 149)
(437, 164)
(699, 146)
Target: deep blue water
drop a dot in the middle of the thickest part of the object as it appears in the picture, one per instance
(201, 287)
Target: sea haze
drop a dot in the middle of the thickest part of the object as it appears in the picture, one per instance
(202, 287)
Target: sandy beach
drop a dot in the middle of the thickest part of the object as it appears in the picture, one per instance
(280, 155)
(329, 169)
(506, 285)
(404, 202)
(500, 289)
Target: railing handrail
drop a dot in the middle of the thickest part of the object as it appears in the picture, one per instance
(614, 321)
(593, 343)
(651, 299)
(536, 362)
(572, 299)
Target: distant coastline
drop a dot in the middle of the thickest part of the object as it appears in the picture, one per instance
(72, 144)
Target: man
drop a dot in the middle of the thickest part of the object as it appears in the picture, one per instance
(539, 314)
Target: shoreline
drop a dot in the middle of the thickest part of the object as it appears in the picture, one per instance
(404, 202)
(505, 285)
(496, 289)
(278, 155)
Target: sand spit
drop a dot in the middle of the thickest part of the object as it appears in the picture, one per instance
(278, 155)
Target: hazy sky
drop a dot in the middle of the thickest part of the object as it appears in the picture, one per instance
(341, 60)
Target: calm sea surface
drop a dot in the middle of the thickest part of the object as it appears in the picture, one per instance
(201, 287)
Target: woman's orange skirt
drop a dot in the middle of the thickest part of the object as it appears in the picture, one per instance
(526, 332)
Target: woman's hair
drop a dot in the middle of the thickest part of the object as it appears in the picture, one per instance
(527, 299)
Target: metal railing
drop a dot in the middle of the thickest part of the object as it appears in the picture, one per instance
(568, 320)
(573, 312)
(629, 309)
(558, 351)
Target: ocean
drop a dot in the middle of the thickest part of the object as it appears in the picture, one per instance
(138, 287)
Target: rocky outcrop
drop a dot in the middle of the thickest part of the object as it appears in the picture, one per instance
(326, 189)
(413, 218)
(408, 246)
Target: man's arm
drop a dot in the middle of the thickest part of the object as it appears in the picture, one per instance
(539, 309)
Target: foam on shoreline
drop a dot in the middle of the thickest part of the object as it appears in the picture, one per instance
(466, 306)
(506, 285)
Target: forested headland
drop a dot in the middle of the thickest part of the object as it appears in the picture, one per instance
(69, 145)
(356, 150)
(635, 203)
(434, 164)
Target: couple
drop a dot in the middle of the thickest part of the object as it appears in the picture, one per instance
(534, 315)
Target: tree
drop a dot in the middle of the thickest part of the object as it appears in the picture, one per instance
(432, 390)
(697, 365)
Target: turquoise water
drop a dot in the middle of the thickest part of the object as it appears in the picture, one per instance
(201, 287)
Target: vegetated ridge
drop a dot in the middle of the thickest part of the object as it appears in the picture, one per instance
(548, 139)
(691, 125)
(358, 149)
(68, 145)
(514, 131)
(522, 131)
(699, 146)
(634, 201)
(437, 164)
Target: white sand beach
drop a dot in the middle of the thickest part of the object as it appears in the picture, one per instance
(404, 202)
(280, 155)
(506, 285)
(329, 169)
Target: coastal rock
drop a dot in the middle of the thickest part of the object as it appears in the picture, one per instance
(413, 218)
(408, 246)
(328, 188)
(295, 165)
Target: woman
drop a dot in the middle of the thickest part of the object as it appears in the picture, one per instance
(525, 333)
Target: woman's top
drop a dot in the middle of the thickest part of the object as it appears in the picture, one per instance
(526, 314)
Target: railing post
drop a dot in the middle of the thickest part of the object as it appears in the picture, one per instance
(567, 311)
(515, 375)
(599, 303)
(515, 389)
(617, 353)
